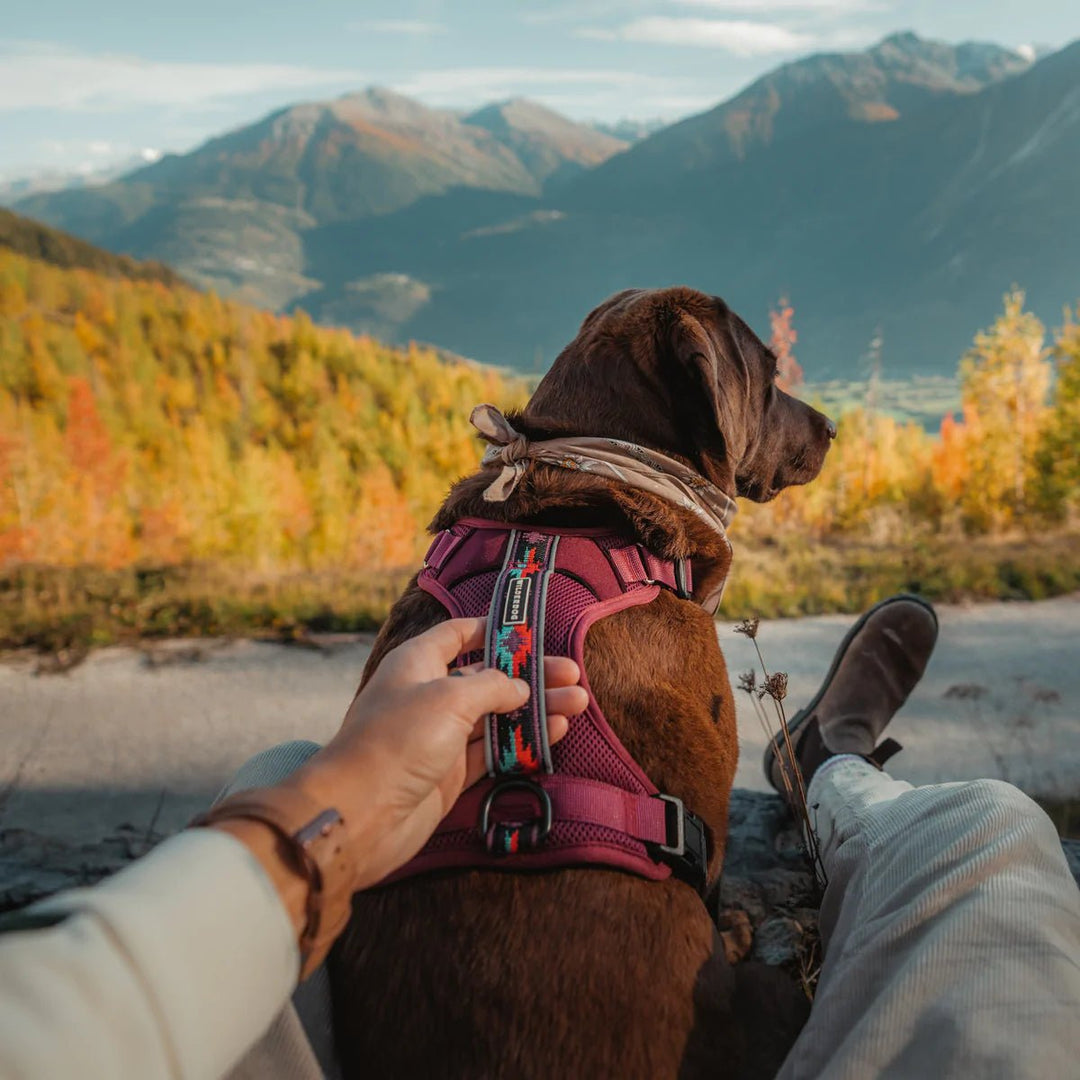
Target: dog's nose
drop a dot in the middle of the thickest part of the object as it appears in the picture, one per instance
(830, 427)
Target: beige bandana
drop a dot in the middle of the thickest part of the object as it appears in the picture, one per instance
(646, 469)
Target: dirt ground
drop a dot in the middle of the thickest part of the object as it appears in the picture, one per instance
(105, 759)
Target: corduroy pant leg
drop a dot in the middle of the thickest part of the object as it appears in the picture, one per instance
(300, 1043)
(951, 926)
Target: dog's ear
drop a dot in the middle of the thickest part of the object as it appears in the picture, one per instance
(714, 360)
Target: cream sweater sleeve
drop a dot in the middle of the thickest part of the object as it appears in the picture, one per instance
(174, 967)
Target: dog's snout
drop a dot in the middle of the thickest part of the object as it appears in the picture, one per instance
(830, 427)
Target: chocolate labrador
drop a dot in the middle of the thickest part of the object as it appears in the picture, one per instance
(589, 971)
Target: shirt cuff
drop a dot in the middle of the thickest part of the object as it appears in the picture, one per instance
(208, 938)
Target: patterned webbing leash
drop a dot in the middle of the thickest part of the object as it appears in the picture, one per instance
(517, 742)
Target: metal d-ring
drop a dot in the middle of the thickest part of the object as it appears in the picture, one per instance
(515, 783)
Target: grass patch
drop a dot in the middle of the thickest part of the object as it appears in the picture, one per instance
(790, 577)
(70, 609)
(57, 609)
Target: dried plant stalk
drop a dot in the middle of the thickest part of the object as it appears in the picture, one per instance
(775, 687)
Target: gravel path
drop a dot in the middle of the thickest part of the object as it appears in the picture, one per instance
(1001, 697)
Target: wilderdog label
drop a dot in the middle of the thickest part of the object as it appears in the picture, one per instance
(516, 604)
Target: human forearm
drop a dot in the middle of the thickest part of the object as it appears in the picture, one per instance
(178, 964)
(408, 746)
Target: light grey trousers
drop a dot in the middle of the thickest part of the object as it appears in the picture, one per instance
(951, 925)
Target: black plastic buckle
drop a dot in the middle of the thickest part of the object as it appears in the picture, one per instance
(536, 830)
(682, 582)
(687, 848)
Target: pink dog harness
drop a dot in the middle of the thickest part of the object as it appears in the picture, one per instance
(584, 801)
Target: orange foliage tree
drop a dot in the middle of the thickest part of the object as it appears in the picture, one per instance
(782, 338)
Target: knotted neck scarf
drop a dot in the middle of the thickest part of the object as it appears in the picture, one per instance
(649, 470)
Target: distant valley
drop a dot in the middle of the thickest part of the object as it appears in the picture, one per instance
(897, 191)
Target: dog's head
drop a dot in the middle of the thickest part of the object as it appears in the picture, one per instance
(680, 371)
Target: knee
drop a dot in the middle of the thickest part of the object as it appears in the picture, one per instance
(1003, 813)
(1004, 800)
(270, 766)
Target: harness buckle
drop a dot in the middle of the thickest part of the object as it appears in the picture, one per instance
(510, 837)
(687, 852)
(679, 847)
(683, 589)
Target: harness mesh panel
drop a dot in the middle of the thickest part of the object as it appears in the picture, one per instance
(584, 751)
(474, 593)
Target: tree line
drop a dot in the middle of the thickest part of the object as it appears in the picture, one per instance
(144, 423)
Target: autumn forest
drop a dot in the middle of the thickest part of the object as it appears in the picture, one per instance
(174, 463)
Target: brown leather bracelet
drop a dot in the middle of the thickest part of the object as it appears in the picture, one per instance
(315, 835)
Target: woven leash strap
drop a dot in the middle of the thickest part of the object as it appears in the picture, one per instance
(517, 742)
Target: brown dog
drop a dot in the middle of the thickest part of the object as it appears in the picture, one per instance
(594, 972)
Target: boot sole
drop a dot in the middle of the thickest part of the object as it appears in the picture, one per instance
(807, 710)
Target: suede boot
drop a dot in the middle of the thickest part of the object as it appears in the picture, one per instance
(878, 664)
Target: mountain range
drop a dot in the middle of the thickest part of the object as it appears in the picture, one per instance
(894, 192)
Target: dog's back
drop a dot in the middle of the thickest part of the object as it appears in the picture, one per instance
(576, 971)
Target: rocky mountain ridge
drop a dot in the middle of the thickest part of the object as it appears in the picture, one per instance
(894, 192)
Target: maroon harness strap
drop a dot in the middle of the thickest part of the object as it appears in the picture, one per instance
(584, 801)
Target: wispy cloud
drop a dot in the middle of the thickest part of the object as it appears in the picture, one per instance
(582, 91)
(762, 7)
(407, 27)
(45, 76)
(737, 36)
(61, 159)
(573, 11)
(487, 80)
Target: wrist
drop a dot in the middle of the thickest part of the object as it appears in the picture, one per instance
(349, 788)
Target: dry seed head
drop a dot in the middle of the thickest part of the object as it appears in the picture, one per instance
(748, 627)
(748, 681)
(775, 686)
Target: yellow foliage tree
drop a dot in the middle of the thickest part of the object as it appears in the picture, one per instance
(1005, 378)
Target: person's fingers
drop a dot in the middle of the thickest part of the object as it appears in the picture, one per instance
(444, 642)
(558, 726)
(563, 700)
(560, 671)
(476, 766)
(469, 669)
(485, 692)
(568, 700)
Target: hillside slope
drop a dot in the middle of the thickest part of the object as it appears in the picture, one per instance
(230, 214)
(551, 147)
(894, 79)
(141, 424)
(36, 241)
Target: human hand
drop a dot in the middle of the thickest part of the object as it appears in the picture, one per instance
(412, 741)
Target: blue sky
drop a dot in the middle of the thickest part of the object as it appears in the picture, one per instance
(85, 85)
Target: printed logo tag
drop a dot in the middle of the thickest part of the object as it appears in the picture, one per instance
(516, 604)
